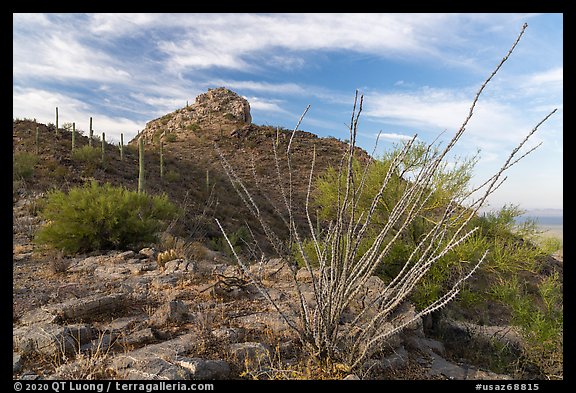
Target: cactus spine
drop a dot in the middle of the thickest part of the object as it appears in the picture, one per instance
(141, 165)
(91, 133)
(73, 136)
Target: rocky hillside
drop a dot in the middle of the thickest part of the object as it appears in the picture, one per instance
(193, 173)
(147, 314)
(220, 121)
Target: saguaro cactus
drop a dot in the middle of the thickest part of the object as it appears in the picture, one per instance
(103, 146)
(161, 159)
(141, 165)
(73, 136)
(37, 140)
(121, 147)
(91, 133)
(56, 120)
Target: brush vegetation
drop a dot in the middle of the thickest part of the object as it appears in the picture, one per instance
(102, 217)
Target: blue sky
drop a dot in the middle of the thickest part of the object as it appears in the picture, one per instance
(418, 73)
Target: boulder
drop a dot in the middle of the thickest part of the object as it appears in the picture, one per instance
(304, 275)
(89, 264)
(175, 311)
(271, 320)
(39, 315)
(205, 369)
(178, 265)
(158, 358)
(396, 360)
(81, 333)
(139, 337)
(127, 255)
(48, 339)
(165, 281)
(156, 369)
(148, 252)
(230, 335)
(276, 269)
(90, 306)
(111, 273)
(424, 344)
(16, 362)
(253, 355)
(101, 344)
(508, 336)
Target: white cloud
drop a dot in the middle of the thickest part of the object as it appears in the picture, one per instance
(25, 21)
(226, 40)
(196, 41)
(41, 104)
(554, 75)
(266, 87)
(395, 137)
(263, 105)
(111, 25)
(58, 55)
(494, 126)
(288, 63)
(163, 104)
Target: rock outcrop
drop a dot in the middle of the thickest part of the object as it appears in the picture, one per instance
(222, 101)
(215, 111)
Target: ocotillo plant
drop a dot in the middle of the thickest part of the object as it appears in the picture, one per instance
(161, 159)
(348, 255)
(56, 120)
(103, 146)
(91, 133)
(73, 135)
(141, 165)
(277, 136)
(121, 147)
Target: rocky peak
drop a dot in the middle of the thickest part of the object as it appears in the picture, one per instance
(216, 111)
(223, 101)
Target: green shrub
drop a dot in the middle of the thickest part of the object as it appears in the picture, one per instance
(88, 154)
(170, 138)
(171, 176)
(95, 217)
(539, 315)
(23, 165)
(193, 127)
(238, 239)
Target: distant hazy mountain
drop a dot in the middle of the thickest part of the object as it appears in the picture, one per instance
(545, 213)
